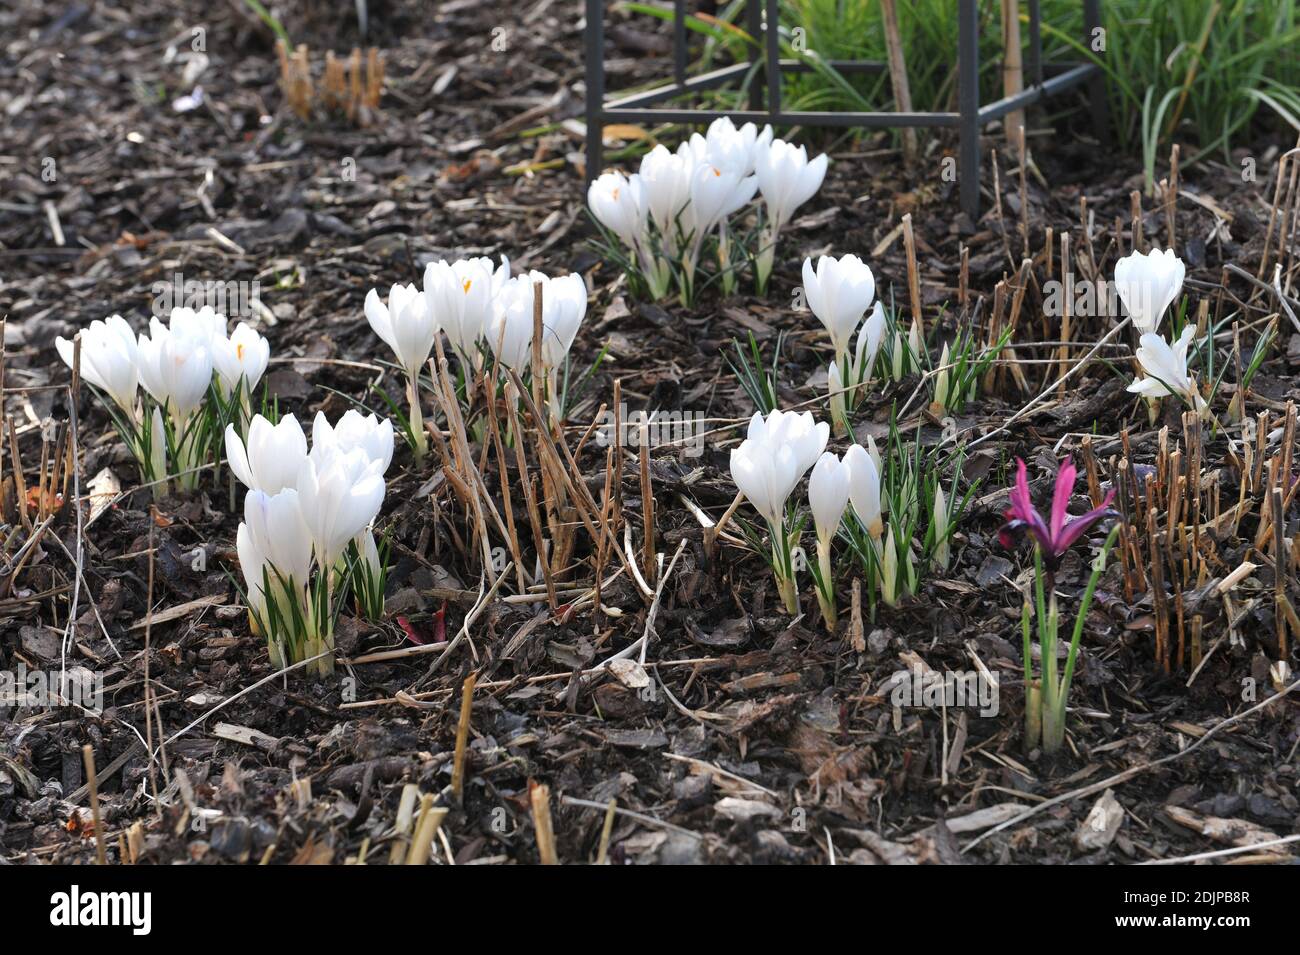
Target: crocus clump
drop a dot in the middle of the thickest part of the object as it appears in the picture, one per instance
(307, 529)
(665, 215)
(773, 458)
(196, 378)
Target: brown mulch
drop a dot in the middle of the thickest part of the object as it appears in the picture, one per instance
(758, 739)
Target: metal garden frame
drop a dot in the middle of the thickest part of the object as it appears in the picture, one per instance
(1043, 80)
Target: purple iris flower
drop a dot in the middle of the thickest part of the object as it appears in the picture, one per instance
(1056, 535)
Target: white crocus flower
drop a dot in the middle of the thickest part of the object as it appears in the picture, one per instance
(269, 460)
(618, 203)
(777, 452)
(175, 366)
(243, 356)
(274, 547)
(1166, 369)
(460, 295)
(864, 489)
(787, 179)
(510, 332)
(666, 188)
(828, 496)
(716, 192)
(205, 324)
(564, 305)
(766, 476)
(370, 433)
(404, 324)
(408, 327)
(1148, 284)
(109, 357)
(340, 494)
(734, 148)
(279, 534)
(839, 292)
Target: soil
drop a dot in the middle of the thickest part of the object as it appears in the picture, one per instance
(758, 738)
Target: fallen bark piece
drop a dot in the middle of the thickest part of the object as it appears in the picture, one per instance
(180, 610)
(1100, 826)
(983, 818)
(739, 809)
(1233, 832)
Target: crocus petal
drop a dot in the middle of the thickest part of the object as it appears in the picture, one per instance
(1065, 476)
(1077, 526)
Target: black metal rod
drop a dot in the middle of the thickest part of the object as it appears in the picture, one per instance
(882, 120)
(968, 104)
(1092, 29)
(1057, 84)
(705, 81)
(754, 24)
(594, 75)
(720, 76)
(773, 56)
(679, 42)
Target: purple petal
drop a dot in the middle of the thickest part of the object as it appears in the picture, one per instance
(1065, 475)
(1076, 527)
(1021, 505)
(1022, 509)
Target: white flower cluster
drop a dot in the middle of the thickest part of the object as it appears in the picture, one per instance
(666, 212)
(307, 525)
(178, 364)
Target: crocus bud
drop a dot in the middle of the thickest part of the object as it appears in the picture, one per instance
(405, 324)
(828, 494)
(108, 359)
(889, 571)
(1148, 284)
(839, 292)
(942, 385)
(269, 460)
(940, 524)
(864, 489)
